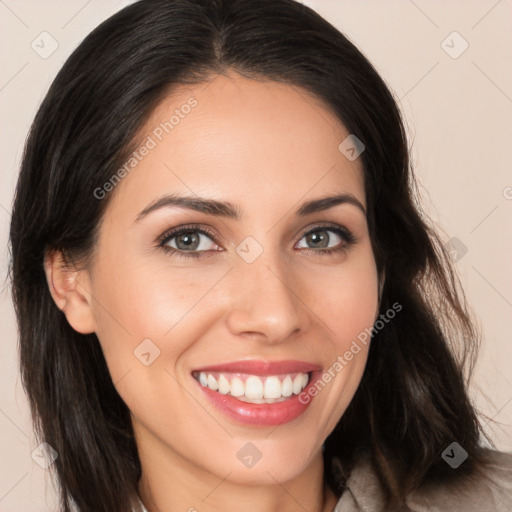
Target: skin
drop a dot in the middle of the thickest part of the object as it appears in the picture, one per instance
(266, 148)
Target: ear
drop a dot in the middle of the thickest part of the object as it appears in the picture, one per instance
(69, 288)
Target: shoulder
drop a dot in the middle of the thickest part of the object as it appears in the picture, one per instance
(488, 489)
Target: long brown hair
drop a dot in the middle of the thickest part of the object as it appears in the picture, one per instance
(412, 401)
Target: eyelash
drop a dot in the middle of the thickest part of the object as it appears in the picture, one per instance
(348, 239)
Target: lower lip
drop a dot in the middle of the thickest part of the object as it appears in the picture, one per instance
(277, 413)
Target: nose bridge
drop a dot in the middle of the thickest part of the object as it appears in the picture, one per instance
(263, 299)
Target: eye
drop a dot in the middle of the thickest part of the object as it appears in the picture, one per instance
(188, 239)
(327, 239)
(196, 241)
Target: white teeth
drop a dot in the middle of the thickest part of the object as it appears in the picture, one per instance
(287, 386)
(223, 385)
(255, 389)
(297, 384)
(272, 388)
(212, 383)
(261, 400)
(237, 387)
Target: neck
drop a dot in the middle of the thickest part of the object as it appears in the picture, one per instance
(171, 483)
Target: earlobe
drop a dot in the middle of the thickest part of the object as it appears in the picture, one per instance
(69, 288)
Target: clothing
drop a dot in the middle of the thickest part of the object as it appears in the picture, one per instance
(364, 491)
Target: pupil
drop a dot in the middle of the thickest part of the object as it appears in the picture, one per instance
(187, 240)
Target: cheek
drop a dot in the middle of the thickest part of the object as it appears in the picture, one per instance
(348, 306)
(346, 298)
(155, 299)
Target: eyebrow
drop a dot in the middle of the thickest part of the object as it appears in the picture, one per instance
(229, 210)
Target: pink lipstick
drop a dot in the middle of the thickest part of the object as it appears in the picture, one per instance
(256, 392)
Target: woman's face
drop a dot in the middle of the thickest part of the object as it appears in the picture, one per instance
(252, 306)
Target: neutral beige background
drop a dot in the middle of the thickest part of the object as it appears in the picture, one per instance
(458, 111)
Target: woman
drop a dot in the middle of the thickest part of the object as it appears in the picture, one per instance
(226, 295)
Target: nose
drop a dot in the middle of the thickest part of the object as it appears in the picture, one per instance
(265, 301)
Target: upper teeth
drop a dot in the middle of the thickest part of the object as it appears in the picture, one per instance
(254, 388)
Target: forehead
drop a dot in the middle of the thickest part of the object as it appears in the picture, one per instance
(237, 139)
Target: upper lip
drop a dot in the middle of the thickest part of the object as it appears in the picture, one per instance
(258, 367)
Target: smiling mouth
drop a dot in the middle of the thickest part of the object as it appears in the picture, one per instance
(254, 389)
(256, 392)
